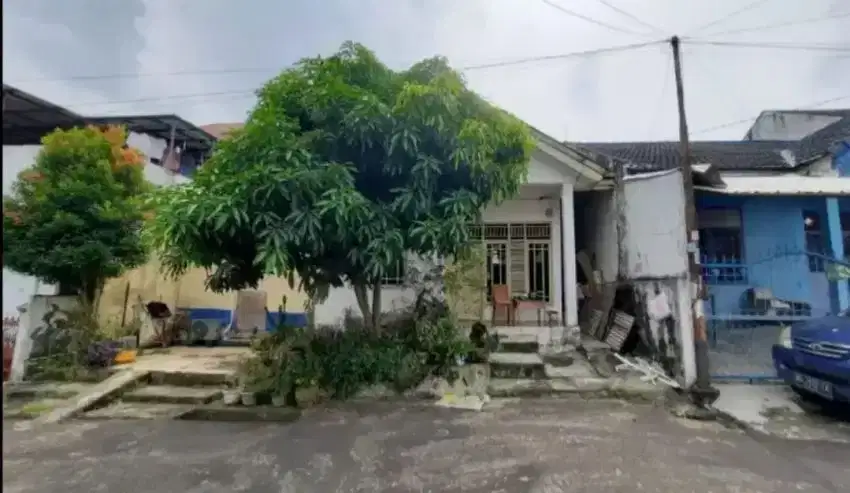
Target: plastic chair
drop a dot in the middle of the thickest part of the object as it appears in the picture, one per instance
(501, 298)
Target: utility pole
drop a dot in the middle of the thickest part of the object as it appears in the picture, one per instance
(702, 392)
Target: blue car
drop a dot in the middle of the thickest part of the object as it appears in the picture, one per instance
(813, 357)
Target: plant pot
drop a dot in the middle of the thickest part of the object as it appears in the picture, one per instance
(278, 400)
(231, 397)
(308, 396)
(249, 399)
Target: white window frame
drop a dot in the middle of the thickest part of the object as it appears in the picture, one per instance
(509, 234)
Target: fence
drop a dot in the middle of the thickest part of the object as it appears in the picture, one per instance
(749, 303)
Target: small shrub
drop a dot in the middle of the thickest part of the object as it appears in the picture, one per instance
(342, 361)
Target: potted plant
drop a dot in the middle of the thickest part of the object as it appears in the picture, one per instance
(256, 377)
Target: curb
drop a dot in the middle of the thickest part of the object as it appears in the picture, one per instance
(237, 414)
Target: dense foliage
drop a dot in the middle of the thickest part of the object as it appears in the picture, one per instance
(340, 362)
(74, 217)
(343, 167)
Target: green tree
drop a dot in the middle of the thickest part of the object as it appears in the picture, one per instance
(342, 167)
(74, 217)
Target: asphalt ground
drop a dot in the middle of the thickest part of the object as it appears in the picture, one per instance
(539, 446)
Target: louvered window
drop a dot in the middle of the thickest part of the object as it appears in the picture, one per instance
(519, 255)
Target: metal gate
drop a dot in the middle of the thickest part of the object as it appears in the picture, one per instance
(749, 304)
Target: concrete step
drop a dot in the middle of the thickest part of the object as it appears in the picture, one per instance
(171, 394)
(623, 388)
(190, 378)
(138, 410)
(517, 365)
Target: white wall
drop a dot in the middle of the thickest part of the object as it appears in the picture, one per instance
(788, 126)
(655, 225)
(656, 248)
(397, 297)
(600, 232)
(17, 288)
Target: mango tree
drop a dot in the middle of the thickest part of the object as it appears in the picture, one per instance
(342, 168)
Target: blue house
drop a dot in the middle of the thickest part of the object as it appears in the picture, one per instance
(775, 236)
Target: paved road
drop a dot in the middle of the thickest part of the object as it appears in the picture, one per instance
(530, 446)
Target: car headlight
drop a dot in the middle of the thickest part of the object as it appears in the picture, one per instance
(785, 337)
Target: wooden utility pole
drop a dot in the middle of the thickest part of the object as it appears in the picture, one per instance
(703, 392)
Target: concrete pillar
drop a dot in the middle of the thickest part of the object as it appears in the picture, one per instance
(839, 294)
(568, 242)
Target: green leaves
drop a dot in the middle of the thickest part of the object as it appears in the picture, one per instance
(342, 167)
(74, 217)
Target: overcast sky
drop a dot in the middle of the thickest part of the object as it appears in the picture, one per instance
(621, 96)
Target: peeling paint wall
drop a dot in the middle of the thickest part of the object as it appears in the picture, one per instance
(656, 263)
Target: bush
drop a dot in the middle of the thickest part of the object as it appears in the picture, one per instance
(67, 344)
(342, 361)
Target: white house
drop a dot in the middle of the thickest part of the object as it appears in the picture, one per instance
(530, 240)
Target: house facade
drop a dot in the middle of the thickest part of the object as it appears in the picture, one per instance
(530, 240)
(774, 236)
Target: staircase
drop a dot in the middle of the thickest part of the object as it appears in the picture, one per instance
(532, 361)
(161, 395)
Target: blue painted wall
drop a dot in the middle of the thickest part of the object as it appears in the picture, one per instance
(772, 227)
(297, 319)
(841, 160)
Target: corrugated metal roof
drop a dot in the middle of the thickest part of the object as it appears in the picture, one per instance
(791, 184)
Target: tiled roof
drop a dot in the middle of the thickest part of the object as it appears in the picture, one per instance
(653, 156)
(730, 155)
(220, 130)
(825, 139)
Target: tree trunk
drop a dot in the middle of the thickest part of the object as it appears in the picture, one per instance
(376, 307)
(369, 309)
(362, 296)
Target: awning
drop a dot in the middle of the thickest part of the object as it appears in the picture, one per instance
(790, 185)
(27, 118)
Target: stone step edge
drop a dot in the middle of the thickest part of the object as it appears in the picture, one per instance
(164, 398)
(563, 386)
(95, 415)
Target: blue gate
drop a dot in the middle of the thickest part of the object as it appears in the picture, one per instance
(748, 305)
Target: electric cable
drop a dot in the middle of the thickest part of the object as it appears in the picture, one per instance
(730, 15)
(778, 46)
(782, 24)
(519, 61)
(750, 119)
(630, 16)
(585, 18)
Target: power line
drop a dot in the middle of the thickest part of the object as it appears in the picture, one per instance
(750, 119)
(783, 24)
(779, 46)
(746, 8)
(629, 15)
(138, 75)
(578, 54)
(520, 61)
(585, 18)
(206, 95)
(248, 92)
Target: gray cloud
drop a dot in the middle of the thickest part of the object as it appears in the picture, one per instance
(615, 96)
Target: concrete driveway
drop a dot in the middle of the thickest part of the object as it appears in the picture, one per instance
(514, 447)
